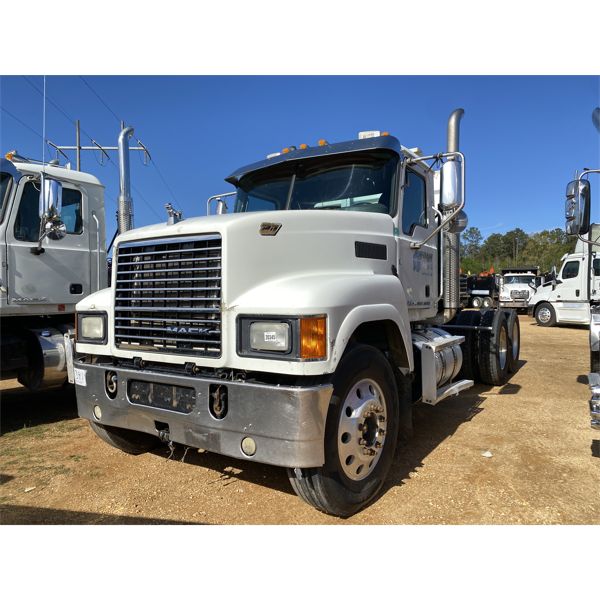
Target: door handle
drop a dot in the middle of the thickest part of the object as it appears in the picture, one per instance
(577, 293)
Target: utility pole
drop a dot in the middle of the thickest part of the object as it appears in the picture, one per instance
(96, 147)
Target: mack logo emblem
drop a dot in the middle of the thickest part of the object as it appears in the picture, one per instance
(269, 228)
(197, 330)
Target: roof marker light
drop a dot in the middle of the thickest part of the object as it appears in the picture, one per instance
(323, 143)
(303, 146)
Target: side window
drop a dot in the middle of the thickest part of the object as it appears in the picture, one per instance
(570, 270)
(596, 267)
(414, 205)
(27, 222)
(71, 210)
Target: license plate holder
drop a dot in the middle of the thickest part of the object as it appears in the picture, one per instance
(160, 395)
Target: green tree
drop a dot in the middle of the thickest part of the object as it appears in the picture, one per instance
(546, 248)
(470, 242)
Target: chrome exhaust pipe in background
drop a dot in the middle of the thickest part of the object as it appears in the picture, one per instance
(125, 203)
(451, 259)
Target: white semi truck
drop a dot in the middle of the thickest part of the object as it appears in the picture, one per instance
(298, 329)
(52, 254)
(568, 298)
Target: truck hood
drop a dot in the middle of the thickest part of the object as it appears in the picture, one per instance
(299, 243)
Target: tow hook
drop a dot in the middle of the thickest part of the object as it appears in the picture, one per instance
(218, 401)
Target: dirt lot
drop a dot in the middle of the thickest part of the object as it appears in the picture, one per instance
(544, 468)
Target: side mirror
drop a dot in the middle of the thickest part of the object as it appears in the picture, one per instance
(56, 229)
(577, 207)
(451, 185)
(50, 197)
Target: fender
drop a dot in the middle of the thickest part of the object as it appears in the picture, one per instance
(370, 313)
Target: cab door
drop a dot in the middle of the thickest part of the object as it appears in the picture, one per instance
(572, 305)
(418, 268)
(60, 276)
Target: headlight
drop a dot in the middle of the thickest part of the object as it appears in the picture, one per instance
(274, 337)
(91, 327)
(286, 338)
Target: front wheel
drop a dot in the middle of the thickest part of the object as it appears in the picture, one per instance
(545, 315)
(360, 436)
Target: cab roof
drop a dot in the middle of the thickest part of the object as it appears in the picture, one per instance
(385, 142)
(56, 172)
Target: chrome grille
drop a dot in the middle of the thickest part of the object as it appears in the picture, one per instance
(168, 295)
(519, 294)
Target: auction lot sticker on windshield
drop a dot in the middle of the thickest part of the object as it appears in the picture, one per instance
(80, 377)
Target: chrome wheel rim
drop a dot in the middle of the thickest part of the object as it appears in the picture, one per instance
(544, 315)
(503, 348)
(362, 429)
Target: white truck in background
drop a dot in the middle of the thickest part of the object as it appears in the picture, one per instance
(517, 284)
(299, 329)
(568, 298)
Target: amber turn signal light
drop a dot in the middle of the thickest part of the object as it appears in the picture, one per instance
(313, 338)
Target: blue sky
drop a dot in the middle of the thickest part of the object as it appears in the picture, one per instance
(523, 136)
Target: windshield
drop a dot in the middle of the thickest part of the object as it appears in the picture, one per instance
(5, 179)
(520, 279)
(358, 182)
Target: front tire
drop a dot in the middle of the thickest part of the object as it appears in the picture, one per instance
(126, 440)
(360, 436)
(545, 315)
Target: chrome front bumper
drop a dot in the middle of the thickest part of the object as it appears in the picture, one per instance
(287, 424)
(516, 303)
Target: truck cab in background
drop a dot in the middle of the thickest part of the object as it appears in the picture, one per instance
(568, 298)
(47, 264)
(517, 284)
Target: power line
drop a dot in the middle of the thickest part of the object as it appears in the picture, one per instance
(72, 121)
(58, 108)
(22, 123)
(152, 161)
(100, 98)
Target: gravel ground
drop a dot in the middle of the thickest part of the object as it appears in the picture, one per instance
(544, 465)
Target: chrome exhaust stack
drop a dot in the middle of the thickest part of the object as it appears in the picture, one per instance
(451, 258)
(125, 203)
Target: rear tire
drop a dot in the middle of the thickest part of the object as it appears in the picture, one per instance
(360, 436)
(487, 302)
(494, 349)
(470, 364)
(126, 440)
(514, 340)
(545, 315)
(476, 302)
